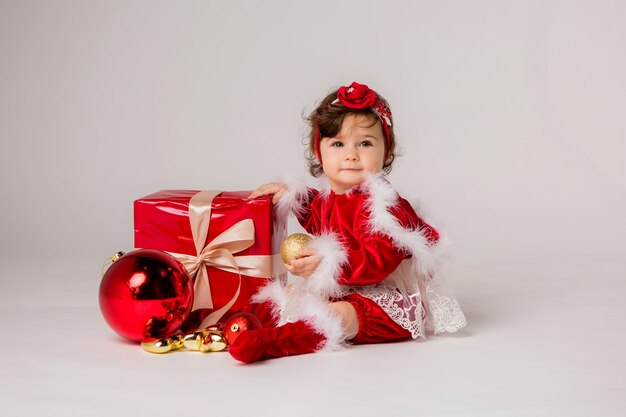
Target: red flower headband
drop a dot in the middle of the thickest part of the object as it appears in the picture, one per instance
(359, 96)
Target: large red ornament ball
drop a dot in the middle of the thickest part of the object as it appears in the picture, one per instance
(146, 294)
(239, 323)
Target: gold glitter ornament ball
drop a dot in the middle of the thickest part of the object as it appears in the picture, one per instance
(292, 245)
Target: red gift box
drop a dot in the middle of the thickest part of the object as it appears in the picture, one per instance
(229, 244)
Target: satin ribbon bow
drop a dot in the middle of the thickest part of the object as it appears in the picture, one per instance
(219, 253)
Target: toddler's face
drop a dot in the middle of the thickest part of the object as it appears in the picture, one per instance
(358, 148)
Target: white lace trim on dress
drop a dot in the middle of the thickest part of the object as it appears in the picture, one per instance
(407, 312)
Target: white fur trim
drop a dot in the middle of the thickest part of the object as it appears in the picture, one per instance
(381, 198)
(291, 303)
(319, 315)
(294, 199)
(324, 281)
(276, 293)
(323, 185)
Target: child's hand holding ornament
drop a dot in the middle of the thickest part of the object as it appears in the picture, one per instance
(305, 264)
(299, 259)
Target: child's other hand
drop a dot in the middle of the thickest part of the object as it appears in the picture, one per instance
(277, 189)
(305, 265)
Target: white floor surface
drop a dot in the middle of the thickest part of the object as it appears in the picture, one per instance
(544, 339)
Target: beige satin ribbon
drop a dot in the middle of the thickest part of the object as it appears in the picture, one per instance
(219, 254)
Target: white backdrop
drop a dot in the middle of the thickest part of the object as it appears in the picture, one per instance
(510, 113)
(510, 116)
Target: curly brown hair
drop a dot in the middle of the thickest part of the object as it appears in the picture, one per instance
(329, 118)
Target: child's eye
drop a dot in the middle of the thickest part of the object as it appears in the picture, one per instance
(337, 144)
(366, 143)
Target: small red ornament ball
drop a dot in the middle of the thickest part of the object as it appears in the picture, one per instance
(146, 294)
(239, 323)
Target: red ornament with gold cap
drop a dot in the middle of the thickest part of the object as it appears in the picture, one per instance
(145, 294)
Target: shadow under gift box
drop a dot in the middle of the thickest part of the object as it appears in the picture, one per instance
(162, 222)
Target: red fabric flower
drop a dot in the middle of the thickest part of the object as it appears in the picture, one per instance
(356, 96)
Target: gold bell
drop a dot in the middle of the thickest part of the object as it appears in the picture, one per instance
(193, 341)
(208, 340)
(162, 345)
(213, 342)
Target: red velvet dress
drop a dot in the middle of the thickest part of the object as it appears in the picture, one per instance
(384, 313)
